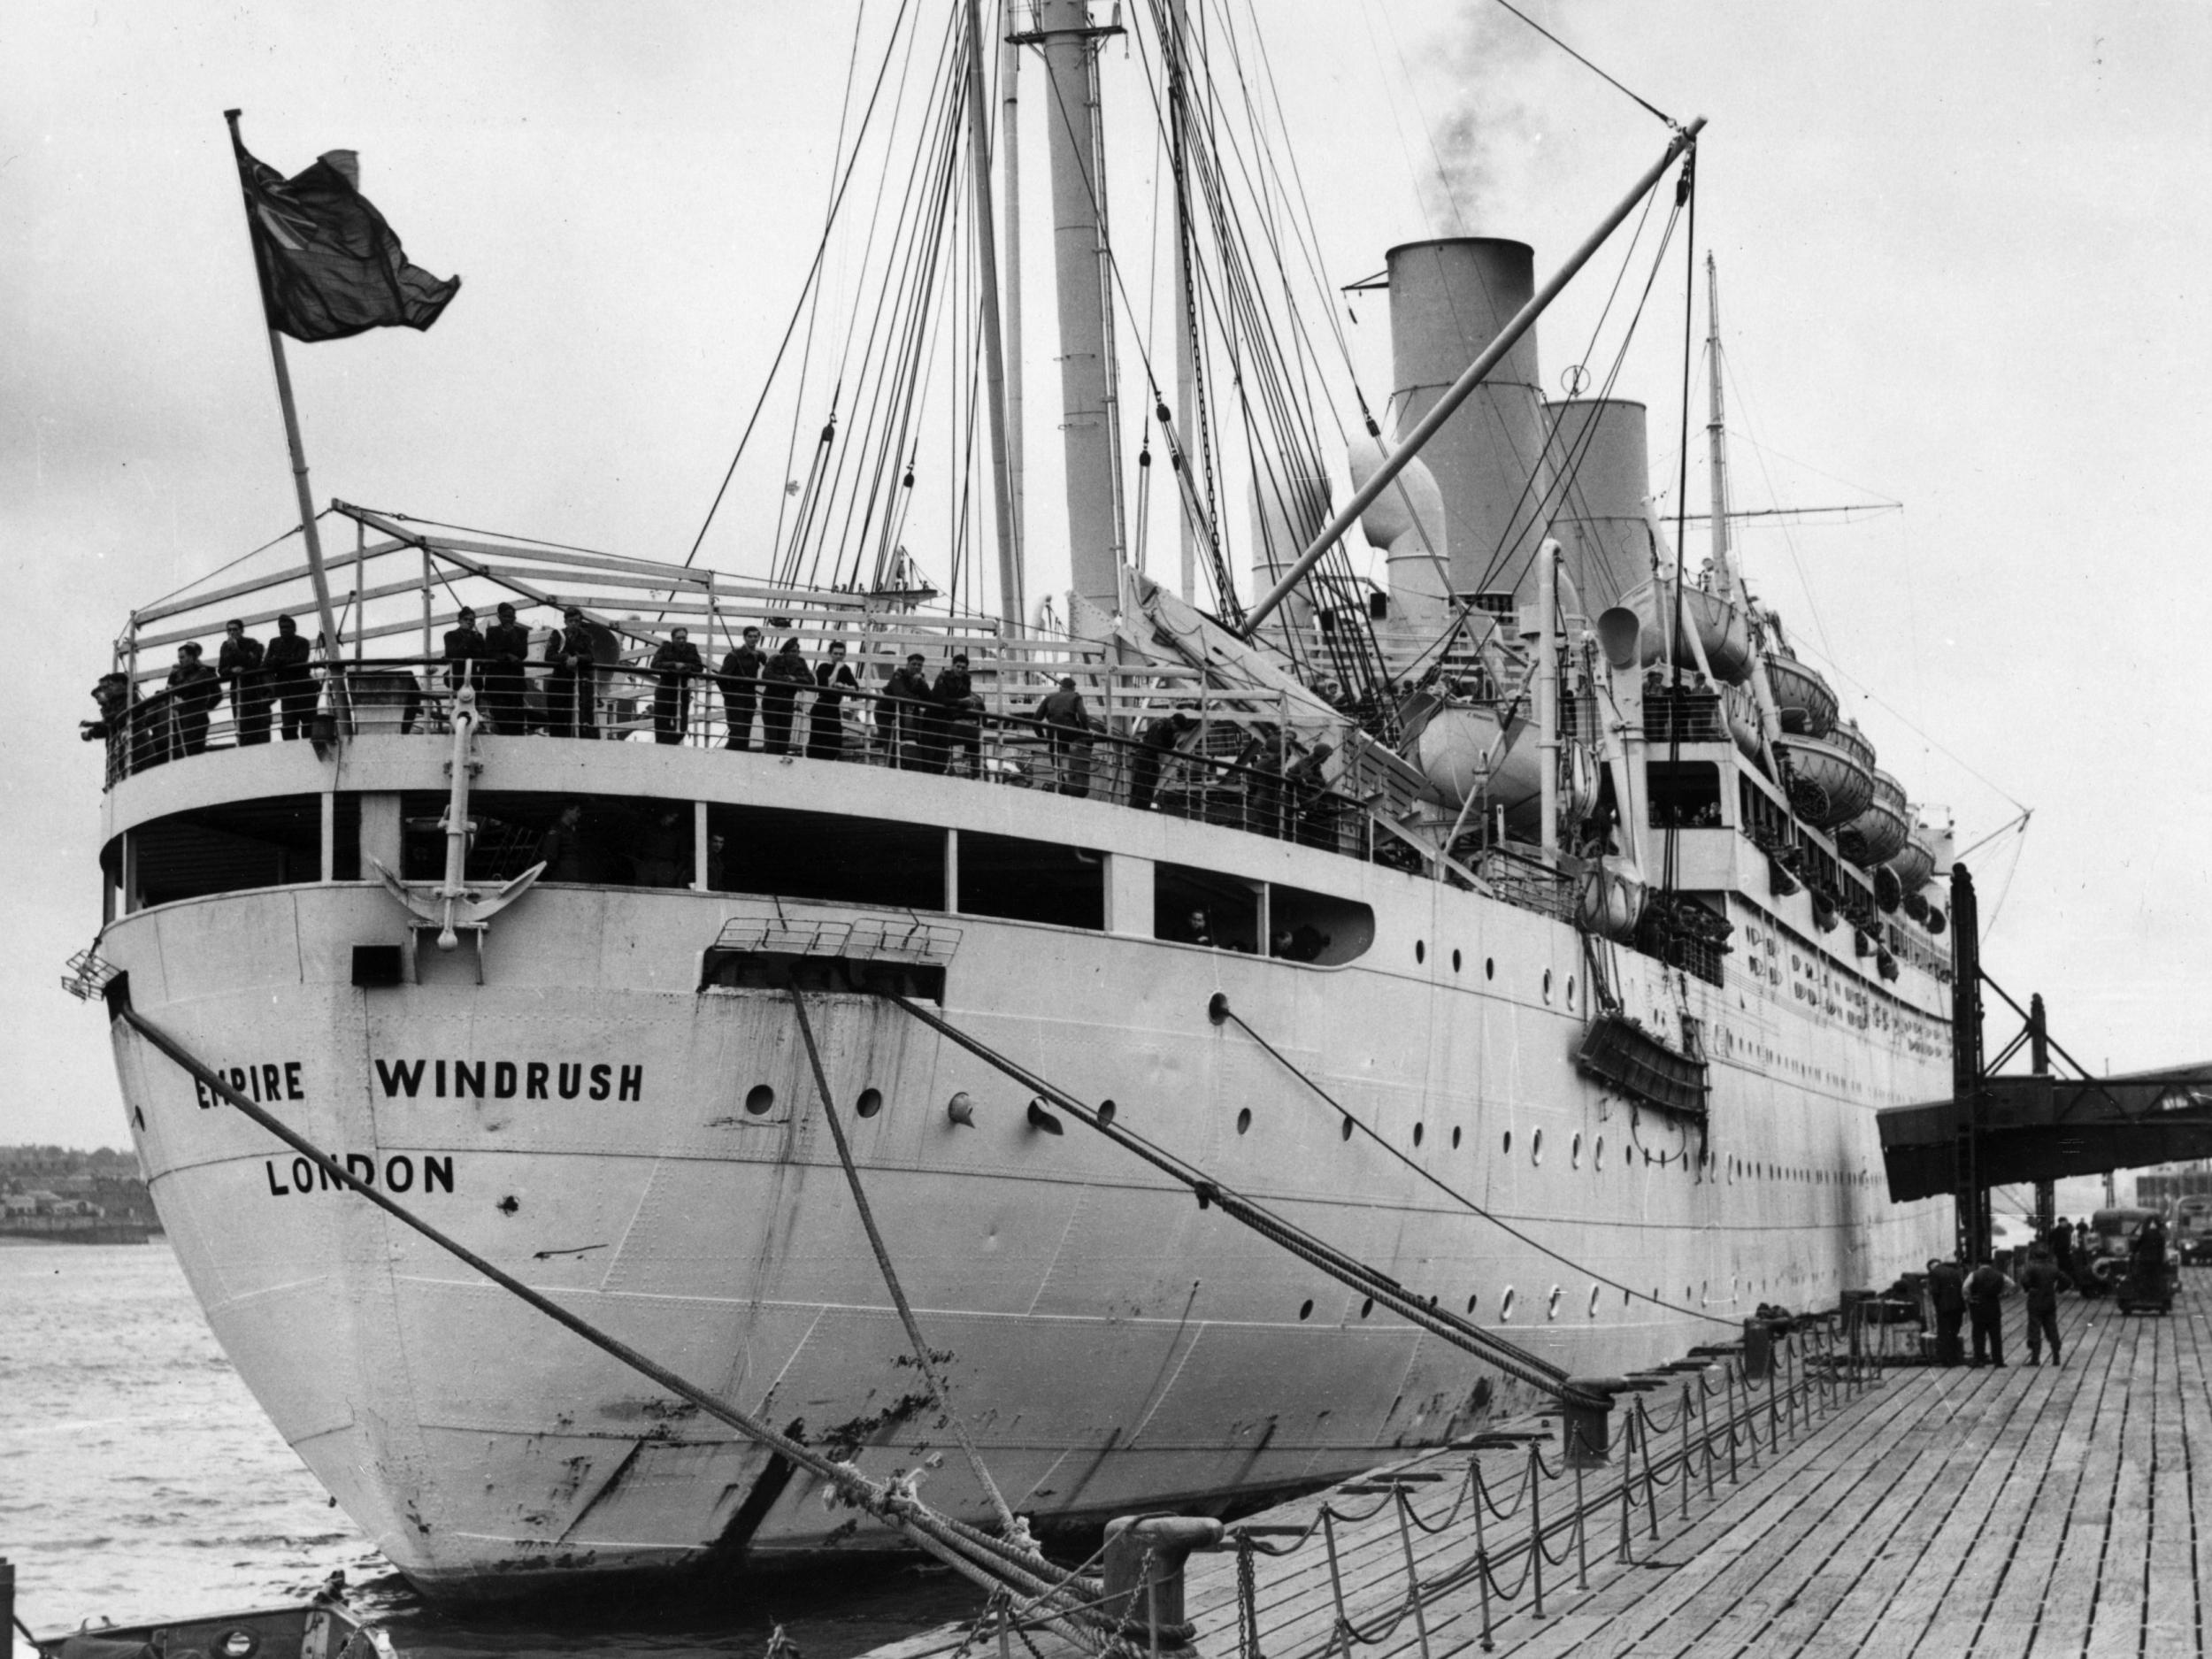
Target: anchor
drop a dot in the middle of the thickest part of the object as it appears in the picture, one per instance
(453, 907)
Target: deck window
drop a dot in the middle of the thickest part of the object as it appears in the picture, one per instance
(1202, 907)
(610, 839)
(229, 849)
(1318, 927)
(825, 856)
(1031, 881)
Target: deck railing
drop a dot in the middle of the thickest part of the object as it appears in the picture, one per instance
(1221, 773)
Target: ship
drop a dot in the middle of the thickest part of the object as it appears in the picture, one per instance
(1518, 914)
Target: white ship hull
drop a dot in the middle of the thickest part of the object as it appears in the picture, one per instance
(1112, 1346)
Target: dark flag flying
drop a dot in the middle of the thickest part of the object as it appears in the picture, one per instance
(330, 267)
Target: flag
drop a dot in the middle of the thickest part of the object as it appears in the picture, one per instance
(330, 267)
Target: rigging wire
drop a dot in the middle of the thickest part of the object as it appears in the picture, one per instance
(813, 275)
(1593, 68)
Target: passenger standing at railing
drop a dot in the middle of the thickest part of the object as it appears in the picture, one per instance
(575, 679)
(741, 674)
(118, 705)
(194, 690)
(239, 667)
(1067, 727)
(1160, 739)
(779, 685)
(674, 664)
(959, 719)
(506, 655)
(464, 651)
(906, 703)
(825, 725)
(291, 683)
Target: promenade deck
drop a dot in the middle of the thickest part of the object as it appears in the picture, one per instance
(1934, 1512)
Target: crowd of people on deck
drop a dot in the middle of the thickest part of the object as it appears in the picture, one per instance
(778, 699)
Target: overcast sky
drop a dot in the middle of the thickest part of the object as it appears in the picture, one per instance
(1963, 249)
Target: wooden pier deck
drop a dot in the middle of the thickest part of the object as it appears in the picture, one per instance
(2007, 1512)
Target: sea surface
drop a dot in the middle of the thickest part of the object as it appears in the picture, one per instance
(140, 1481)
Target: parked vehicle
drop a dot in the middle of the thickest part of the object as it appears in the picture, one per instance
(2190, 1236)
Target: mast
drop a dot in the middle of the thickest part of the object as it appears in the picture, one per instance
(1009, 562)
(1716, 437)
(1063, 28)
(1186, 353)
(1010, 168)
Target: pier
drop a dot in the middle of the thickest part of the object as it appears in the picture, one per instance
(1873, 1509)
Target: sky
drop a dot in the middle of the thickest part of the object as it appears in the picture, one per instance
(1964, 256)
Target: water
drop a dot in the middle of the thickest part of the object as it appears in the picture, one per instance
(138, 1480)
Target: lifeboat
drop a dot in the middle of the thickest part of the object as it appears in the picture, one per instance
(1879, 834)
(1722, 628)
(1916, 864)
(1801, 698)
(1829, 783)
(1741, 711)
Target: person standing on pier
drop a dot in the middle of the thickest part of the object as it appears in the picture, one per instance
(2040, 1280)
(1985, 1287)
(1947, 1289)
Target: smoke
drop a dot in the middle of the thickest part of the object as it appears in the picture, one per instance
(1468, 85)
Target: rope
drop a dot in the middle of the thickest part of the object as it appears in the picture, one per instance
(1454, 1194)
(1514, 1361)
(986, 1560)
(1010, 1523)
(1593, 68)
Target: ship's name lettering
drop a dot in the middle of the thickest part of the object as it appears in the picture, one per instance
(509, 1079)
(269, 1082)
(399, 1173)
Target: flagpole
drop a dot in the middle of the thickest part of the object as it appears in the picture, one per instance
(315, 571)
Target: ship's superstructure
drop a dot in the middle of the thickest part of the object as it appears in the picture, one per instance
(1542, 859)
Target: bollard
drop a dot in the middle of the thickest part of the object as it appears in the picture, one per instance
(1145, 1555)
(1758, 1350)
(1585, 1427)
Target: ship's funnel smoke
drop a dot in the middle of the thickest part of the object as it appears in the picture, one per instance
(1476, 121)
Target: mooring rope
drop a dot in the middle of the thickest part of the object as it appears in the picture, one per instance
(1010, 1523)
(1516, 1362)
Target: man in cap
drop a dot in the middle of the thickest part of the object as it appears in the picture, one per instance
(464, 651)
(673, 666)
(905, 706)
(239, 667)
(290, 681)
(1947, 1289)
(742, 668)
(506, 657)
(2040, 1280)
(1067, 728)
(572, 696)
(193, 688)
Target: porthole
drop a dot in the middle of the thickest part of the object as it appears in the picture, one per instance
(1505, 1305)
(1420, 951)
(1472, 1300)
(1106, 1111)
(1574, 1152)
(1455, 962)
(1417, 1131)
(1597, 1154)
(760, 1099)
(1570, 990)
(1548, 985)
(1348, 1128)
(1551, 1304)
(1454, 1139)
(870, 1104)
(1593, 1301)
(1305, 1309)
(1489, 968)
(1536, 1147)
(1509, 1140)
(1625, 1294)
(1367, 1307)
(1244, 1120)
